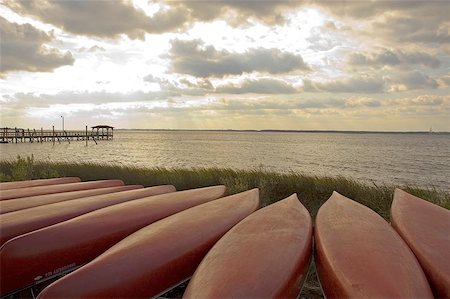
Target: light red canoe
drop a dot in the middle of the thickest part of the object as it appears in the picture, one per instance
(20, 222)
(8, 206)
(359, 255)
(426, 229)
(42, 253)
(266, 255)
(41, 190)
(158, 256)
(41, 182)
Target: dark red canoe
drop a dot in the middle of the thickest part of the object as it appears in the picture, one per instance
(42, 253)
(359, 255)
(41, 182)
(41, 190)
(158, 256)
(426, 229)
(266, 255)
(20, 222)
(8, 206)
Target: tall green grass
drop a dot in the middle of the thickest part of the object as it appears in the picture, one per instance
(312, 191)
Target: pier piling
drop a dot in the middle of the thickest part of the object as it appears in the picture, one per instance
(16, 135)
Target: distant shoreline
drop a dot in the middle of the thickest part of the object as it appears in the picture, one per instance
(291, 131)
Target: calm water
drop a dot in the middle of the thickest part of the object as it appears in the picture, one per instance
(414, 159)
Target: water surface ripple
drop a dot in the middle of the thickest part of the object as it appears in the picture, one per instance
(413, 159)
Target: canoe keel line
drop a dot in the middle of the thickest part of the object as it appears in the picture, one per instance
(146, 247)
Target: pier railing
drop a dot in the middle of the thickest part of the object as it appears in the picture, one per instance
(15, 135)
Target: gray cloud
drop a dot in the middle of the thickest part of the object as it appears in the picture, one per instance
(260, 86)
(238, 12)
(444, 81)
(362, 102)
(424, 100)
(350, 85)
(420, 28)
(184, 86)
(92, 49)
(23, 100)
(188, 57)
(203, 86)
(394, 57)
(412, 81)
(394, 82)
(365, 9)
(111, 18)
(100, 18)
(23, 48)
(398, 21)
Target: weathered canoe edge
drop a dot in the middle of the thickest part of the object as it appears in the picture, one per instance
(402, 198)
(38, 182)
(18, 204)
(337, 196)
(293, 278)
(11, 194)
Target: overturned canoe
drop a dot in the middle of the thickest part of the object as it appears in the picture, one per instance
(41, 190)
(426, 229)
(41, 182)
(20, 222)
(359, 255)
(266, 255)
(158, 256)
(40, 254)
(8, 206)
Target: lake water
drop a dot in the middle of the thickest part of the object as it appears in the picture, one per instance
(413, 159)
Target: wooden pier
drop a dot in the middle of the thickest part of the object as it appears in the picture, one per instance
(16, 135)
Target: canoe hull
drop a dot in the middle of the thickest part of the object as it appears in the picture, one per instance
(42, 253)
(266, 255)
(425, 227)
(20, 222)
(41, 190)
(158, 256)
(8, 206)
(35, 183)
(359, 255)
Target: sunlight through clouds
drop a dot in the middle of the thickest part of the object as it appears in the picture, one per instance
(252, 65)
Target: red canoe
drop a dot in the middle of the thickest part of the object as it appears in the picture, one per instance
(426, 229)
(20, 222)
(40, 254)
(7, 206)
(34, 183)
(41, 190)
(264, 256)
(158, 256)
(359, 255)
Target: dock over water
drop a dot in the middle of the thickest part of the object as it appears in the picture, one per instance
(16, 135)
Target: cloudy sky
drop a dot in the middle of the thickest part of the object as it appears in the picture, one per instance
(209, 64)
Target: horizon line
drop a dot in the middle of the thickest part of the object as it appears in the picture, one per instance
(287, 131)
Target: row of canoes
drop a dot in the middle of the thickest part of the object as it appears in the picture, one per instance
(140, 242)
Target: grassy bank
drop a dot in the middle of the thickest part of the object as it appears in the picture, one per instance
(312, 191)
